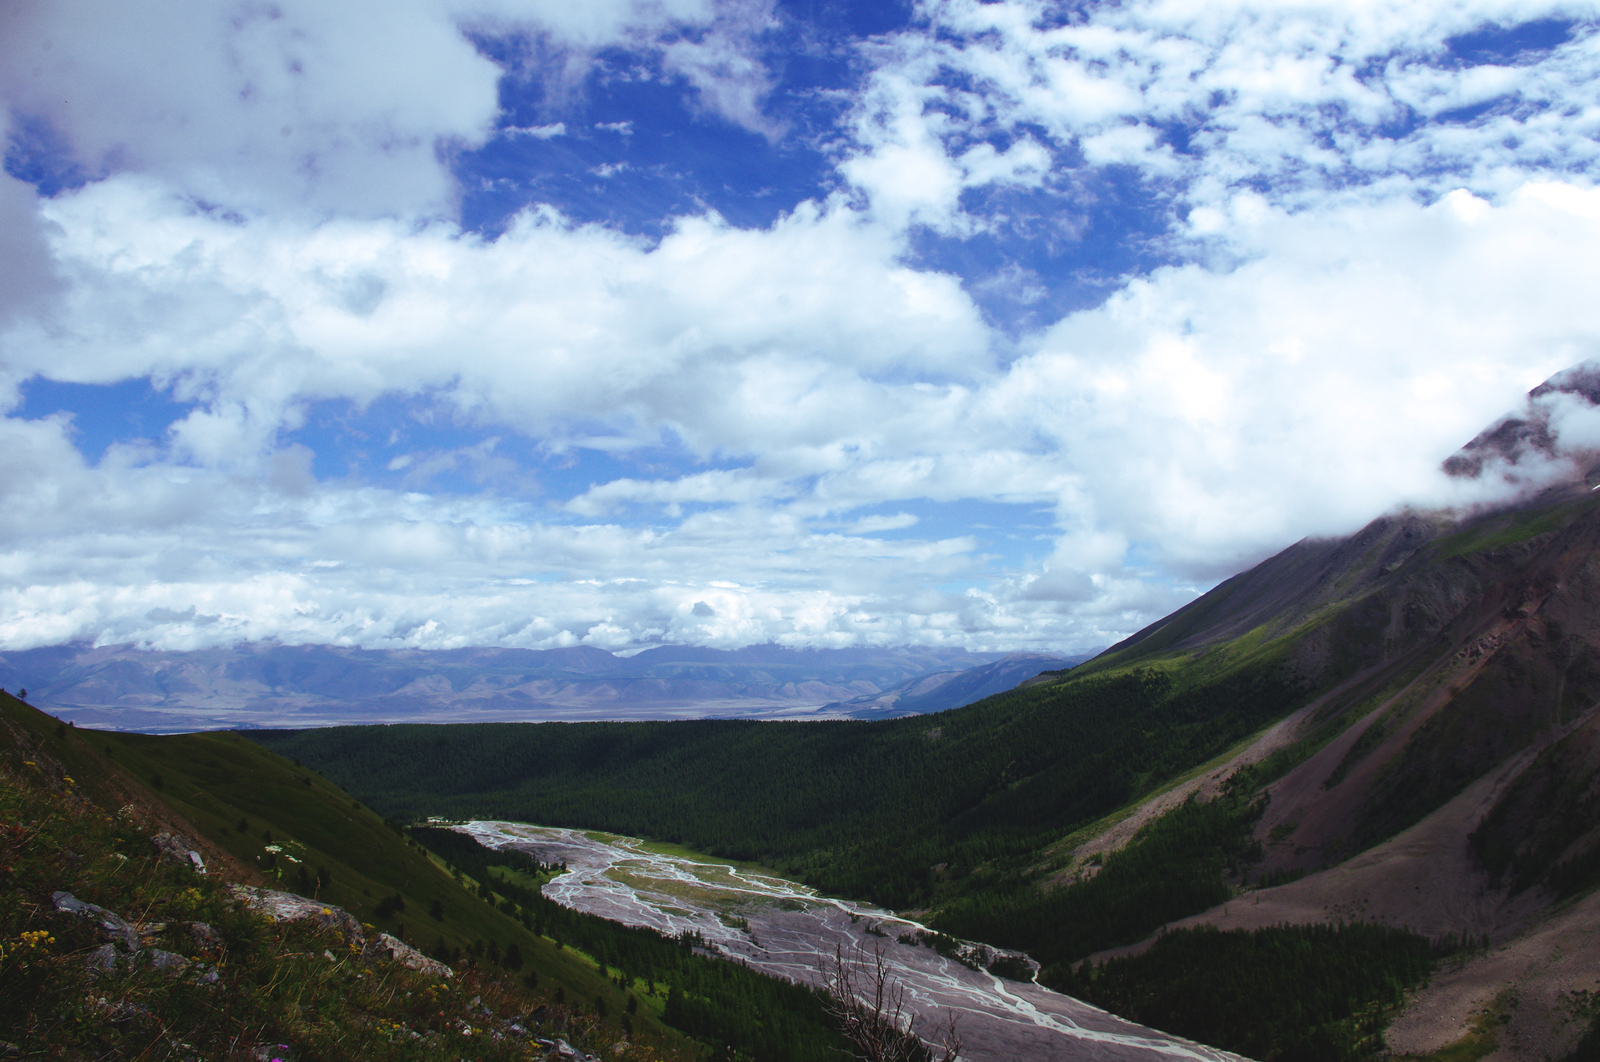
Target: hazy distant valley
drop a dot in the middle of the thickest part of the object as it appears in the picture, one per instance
(126, 688)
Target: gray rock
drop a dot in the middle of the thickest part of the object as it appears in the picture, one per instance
(103, 959)
(112, 927)
(176, 847)
(383, 946)
(65, 901)
(167, 962)
(287, 907)
(123, 1015)
(203, 935)
(273, 1053)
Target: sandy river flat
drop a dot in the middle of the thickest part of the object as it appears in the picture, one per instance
(786, 929)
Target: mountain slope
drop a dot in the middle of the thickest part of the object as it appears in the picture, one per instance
(1403, 718)
(260, 819)
(232, 799)
(1446, 775)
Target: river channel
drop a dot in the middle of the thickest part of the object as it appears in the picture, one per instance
(786, 929)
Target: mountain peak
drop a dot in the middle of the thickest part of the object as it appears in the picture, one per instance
(1558, 424)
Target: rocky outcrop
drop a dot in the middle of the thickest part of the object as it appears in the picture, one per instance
(287, 907)
(383, 946)
(130, 945)
(113, 927)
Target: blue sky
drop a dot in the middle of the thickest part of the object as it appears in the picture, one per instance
(1006, 325)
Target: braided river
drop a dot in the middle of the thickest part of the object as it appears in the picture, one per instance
(785, 929)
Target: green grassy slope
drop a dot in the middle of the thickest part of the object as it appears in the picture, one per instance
(243, 988)
(207, 785)
(263, 819)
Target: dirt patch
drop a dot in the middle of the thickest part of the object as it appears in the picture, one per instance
(1204, 786)
(1535, 978)
(1426, 880)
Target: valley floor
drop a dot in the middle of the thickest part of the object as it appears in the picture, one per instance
(787, 929)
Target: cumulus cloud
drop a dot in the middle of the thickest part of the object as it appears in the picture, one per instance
(1296, 100)
(723, 334)
(341, 109)
(1320, 381)
(1352, 290)
(254, 106)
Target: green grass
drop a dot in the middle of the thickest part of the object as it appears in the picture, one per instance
(256, 985)
(213, 781)
(1509, 529)
(1053, 856)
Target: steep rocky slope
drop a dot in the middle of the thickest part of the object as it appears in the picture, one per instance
(1444, 772)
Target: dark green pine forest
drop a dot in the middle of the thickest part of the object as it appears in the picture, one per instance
(1317, 993)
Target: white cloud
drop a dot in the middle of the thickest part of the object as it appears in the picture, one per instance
(1304, 99)
(868, 525)
(255, 106)
(538, 132)
(722, 65)
(1350, 304)
(341, 109)
(1212, 416)
(27, 274)
(1322, 380)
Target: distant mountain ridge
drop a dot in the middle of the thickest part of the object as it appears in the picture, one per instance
(954, 689)
(124, 687)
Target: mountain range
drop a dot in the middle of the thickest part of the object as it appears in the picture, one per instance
(125, 687)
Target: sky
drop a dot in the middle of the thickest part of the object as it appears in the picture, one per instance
(1010, 325)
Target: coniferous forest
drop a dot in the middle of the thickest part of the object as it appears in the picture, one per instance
(1307, 993)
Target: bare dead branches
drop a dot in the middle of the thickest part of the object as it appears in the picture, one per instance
(870, 1007)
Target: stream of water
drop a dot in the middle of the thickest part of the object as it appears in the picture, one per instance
(786, 929)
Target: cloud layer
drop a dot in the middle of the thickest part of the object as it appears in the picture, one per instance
(1371, 230)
